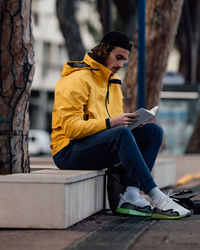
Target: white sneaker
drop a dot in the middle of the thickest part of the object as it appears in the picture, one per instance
(140, 206)
(166, 208)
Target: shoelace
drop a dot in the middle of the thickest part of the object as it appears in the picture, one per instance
(166, 198)
(170, 191)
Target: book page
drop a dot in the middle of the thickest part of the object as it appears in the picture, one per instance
(154, 110)
(144, 116)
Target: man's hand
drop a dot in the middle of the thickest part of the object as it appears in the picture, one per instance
(123, 119)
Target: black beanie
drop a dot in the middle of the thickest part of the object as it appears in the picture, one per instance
(117, 39)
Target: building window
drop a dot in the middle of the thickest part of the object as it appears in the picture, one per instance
(46, 58)
(36, 18)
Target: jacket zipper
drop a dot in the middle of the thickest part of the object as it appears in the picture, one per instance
(107, 100)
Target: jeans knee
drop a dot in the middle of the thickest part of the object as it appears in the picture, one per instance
(122, 132)
(157, 130)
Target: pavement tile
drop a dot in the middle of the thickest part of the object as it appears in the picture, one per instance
(17, 239)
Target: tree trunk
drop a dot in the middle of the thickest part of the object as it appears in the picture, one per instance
(184, 43)
(162, 18)
(127, 10)
(193, 146)
(70, 28)
(195, 9)
(17, 69)
(127, 16)
(198, 66)
(188, 41)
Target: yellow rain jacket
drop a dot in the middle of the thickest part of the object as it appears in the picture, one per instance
(86, 97)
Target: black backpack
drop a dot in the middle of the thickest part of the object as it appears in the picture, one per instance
(116, 185)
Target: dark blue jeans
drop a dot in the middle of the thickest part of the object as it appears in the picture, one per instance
(136, 151)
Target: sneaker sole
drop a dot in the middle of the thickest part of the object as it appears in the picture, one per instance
(132, 212)
(167, 217)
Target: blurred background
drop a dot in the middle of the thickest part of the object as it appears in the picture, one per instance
(64, 30)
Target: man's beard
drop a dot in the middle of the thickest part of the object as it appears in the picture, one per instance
(115, 69)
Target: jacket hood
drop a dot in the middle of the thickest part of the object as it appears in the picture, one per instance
(72, 66)
(86, 63)
(91, 64)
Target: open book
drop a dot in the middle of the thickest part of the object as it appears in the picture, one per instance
(144, 116)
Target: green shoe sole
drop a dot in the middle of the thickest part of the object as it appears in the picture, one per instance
(132, 212)
(157, 216)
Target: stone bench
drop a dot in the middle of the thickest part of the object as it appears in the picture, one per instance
(52, 198)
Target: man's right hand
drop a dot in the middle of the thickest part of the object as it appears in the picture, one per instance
(123, 119)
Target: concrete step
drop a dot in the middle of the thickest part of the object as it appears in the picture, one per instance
(52, 198)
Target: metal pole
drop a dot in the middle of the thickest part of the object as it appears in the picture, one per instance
(141, 53)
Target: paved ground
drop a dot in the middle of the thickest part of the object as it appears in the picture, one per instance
(137, 233)
(181, 234)
(106, 231)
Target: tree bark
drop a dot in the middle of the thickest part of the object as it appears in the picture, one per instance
(162, 18)
(17, 69)
(70, 28)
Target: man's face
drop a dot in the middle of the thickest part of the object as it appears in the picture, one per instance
(116, 59)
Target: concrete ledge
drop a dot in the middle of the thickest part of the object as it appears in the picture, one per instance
(51, 176)
(52, 198)
(164, 172)
(46, 199)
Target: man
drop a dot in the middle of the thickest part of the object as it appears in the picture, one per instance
(90, 129)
